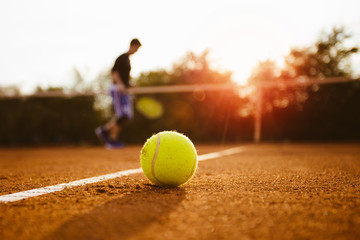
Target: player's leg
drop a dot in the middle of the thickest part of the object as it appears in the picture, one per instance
(123, 109)
(103, 134)
(109, 132)
(114, 127)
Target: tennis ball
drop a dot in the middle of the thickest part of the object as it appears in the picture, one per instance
(149, 107)
(168, 159)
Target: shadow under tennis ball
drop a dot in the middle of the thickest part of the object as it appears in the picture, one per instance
(122, 217)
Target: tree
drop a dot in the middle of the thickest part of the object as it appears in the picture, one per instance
(191, 69)
(328, 57)
(10, 91)
(311, 112)
(153, 78)
(265, 71)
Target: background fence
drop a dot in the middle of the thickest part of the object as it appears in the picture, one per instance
(308, 110)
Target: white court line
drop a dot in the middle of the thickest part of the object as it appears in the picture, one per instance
(59, 187)
(226, 152)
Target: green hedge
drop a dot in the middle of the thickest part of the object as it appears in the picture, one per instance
(331, 112)
(48, 120)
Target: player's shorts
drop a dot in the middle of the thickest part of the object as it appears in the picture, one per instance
(122, 103)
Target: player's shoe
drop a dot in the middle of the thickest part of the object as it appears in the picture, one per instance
(102, 134)
(112, 144)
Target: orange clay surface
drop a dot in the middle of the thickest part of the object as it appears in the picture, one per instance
(268, 191)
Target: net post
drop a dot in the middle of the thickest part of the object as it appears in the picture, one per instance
(257, 117)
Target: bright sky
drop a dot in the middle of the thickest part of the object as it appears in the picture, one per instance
(42, 41)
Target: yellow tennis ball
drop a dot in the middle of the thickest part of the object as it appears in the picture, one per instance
(169, 159)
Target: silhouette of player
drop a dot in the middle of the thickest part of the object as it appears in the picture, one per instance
(121, 100)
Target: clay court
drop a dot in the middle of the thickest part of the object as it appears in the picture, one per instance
(272, 191)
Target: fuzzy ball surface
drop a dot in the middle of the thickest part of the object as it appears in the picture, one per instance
(168, 158)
